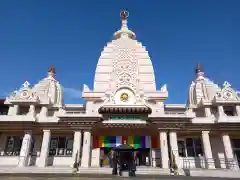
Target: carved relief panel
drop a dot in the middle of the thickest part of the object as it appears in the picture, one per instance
(125, 68)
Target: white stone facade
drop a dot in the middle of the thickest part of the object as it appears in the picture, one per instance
(38, 129)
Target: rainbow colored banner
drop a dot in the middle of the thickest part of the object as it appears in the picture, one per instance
(134, 141)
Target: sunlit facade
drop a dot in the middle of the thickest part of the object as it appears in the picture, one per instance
(124, 106)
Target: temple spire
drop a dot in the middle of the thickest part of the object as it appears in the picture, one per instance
(124, 31)
(52, 71)
(124, 15)
(199, 70)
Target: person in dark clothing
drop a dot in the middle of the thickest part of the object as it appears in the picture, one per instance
(114, 164)
(132, 167)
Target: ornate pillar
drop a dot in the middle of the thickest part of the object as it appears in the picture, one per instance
(207, 150)
(164, 150)
(76, 147)
(174, 146)
(45, 148)
(228, 151)
(13, 110)
(25, 149)
(86, 151)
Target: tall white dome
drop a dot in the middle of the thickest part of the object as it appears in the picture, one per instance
(124, 63)
(49, 89)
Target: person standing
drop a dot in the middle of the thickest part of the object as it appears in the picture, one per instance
(110, 156)
(101, 158)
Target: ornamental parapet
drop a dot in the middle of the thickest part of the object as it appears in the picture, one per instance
(130, 109)
(17, 118)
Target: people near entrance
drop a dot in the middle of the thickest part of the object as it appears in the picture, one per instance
(123, 160)
(114, 164)
(147, 161)
(110, 156)
(101, 158)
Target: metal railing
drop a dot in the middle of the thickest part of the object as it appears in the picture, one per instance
(201, 162)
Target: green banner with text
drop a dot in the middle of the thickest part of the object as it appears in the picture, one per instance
(125, 117)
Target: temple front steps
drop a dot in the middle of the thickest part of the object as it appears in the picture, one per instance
(35, 170)
(224, 173)
(64, 170)
(140, 171)
(82, 170)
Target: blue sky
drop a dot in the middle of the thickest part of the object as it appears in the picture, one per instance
(70, 34)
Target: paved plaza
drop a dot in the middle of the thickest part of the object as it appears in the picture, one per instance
(109, 178)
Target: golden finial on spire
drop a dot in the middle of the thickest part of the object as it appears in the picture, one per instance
(52, 70)
(199, 68)
(124, 14)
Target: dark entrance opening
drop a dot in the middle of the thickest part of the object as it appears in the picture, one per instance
(125, 159)
(142, 156)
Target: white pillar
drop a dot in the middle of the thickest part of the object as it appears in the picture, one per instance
(238, 110)
(44, 111)
(228, 151)
(45, 148)
(25, 149)
(221, 111)
(13, 110)
(174, 146)
(3, 141)
(164, 150)
(208, 112)
(31, 110)
(86, 151)
(76, 147)
(207, 150)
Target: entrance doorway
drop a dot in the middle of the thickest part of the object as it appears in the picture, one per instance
(142, 157)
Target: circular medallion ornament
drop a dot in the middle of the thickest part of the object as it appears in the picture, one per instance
(227, 95)
(124, 97)
(25, 94)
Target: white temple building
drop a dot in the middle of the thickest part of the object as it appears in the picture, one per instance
(124, 106)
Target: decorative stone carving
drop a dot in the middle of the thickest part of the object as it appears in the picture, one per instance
(227, 93)
(226, 84)
(164, 88)
(125, 66)
(86, 88)
(25, 93)
(108, 98)
(238, 93)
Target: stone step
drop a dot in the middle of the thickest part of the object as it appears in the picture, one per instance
(35, 170)
(223, 173)
(152, 171)
(82, 170)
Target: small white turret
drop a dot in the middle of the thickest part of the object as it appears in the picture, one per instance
(202, 88)
(49, 89)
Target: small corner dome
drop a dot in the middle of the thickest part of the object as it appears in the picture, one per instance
(202, 88)
(49, 89)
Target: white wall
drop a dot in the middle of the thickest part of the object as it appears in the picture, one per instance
(9, 160)
(218, 152)
(95, 161)
(60, 161)
(156, 157)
